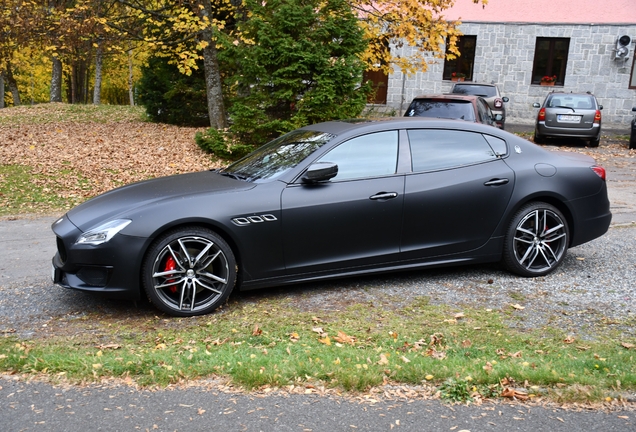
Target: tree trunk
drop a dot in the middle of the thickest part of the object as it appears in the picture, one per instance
(13, 85)
(97, 98)
(216, 108)
(131, 94)
(56, 81)
(1, 89)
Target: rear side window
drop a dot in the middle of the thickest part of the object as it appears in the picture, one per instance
(440, 108)
(435, 149)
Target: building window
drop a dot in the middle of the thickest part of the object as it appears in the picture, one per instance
(462, 65)
(550, 59)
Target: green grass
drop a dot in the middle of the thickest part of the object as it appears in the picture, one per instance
(20, 191)
(468, 354)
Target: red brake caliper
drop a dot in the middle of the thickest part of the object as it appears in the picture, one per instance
(171, 265)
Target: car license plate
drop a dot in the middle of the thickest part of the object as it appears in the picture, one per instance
(566, 118)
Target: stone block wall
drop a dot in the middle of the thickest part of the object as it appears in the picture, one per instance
(505, 53)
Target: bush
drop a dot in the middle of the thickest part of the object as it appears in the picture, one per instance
(172, 97)
(221, 144)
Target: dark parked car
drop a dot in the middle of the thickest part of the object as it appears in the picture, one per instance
(331, 200)
(632, 134)
(490, 93)
(570, 115)
(459, 107)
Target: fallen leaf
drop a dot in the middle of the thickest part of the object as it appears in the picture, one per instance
(627, 345)
(257, 330)
(325, 341)
(383, 360)
(344, 338)
(518, 306)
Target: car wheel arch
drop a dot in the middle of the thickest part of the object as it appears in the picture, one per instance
(548, 199)
(198, 223)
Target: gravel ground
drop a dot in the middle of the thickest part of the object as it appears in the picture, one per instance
(596, 285)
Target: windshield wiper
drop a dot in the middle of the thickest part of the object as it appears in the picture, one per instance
(568, 107)
(235, 176)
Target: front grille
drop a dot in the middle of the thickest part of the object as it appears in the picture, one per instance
(61, 249)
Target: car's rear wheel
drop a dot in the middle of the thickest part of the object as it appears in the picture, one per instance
(536, 241)
(632, 140)
(595, 142)
(189, 271)
(538, 139)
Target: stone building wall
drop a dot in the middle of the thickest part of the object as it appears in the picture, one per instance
(504, 55)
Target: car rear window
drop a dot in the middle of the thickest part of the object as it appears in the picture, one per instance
(441, 108)
(572, 101)
(476, 90)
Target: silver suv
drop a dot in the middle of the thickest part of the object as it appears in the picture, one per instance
(490, 93)
(571, 115)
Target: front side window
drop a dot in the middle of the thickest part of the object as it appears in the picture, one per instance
(435, 149)
(550, 60)
(462, 65)
(371, 155)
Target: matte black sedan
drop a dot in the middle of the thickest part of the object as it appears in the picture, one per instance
(331, 200)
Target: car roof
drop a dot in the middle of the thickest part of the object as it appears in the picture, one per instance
(344, 127)
(449, 96)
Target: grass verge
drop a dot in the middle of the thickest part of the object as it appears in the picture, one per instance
(466, 354)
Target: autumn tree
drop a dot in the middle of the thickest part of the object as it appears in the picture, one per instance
(419, 24)
(296, 62)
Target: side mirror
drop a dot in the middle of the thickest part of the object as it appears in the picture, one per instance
(498, 117)
(634, 109)
(505, 99)
(320, 172)
(536, 105)
(600, 107)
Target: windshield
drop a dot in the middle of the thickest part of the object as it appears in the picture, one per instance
(278, 156)
(450, 109)
(475, 90)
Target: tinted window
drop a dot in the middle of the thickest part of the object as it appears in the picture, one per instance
(369, 155)
(475, 90)
(450, 109)
(497, 144)
(484, 112)
(439, 149)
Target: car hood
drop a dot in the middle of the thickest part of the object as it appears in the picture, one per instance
(120, 202)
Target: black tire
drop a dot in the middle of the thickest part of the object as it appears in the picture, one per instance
(632, 140)
(538, 139)
(189, 271)
(595, 142)
(536, 241)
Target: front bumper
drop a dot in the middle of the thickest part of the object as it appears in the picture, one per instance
(112, 268)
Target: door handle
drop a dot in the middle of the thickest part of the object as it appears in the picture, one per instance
(383, 196)
(496, 182)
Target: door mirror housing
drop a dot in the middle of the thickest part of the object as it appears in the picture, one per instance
(320, 172)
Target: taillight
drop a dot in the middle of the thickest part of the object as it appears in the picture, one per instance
(599, 170)
(597, 117)
(541, 116)
(498, 103)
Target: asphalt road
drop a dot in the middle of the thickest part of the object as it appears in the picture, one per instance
(28, 300)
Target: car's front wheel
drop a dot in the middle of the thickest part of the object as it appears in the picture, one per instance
(189, 271)
(536, 241)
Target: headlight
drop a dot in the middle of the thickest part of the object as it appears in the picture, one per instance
(103, 233)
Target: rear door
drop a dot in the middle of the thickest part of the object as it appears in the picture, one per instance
(456, 195)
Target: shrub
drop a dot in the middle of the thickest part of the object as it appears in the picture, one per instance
(221, 144)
